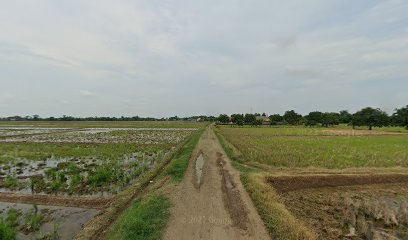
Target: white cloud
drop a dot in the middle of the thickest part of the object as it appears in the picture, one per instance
(171, 57)
(86, 93)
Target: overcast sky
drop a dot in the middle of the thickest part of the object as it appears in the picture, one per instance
(182, 57)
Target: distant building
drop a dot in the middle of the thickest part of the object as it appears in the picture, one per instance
(265, 120)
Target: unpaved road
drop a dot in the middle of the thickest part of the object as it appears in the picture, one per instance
(211, 202)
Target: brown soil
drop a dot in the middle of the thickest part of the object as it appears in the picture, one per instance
(371, 212)
(293, 183)
(66, 201)
(361, 132)
(219, 208)
(232, 199)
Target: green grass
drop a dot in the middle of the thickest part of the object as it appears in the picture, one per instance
(233, 155)
(42, 151)
(8, 226)
(268, 146)
(302, 130)
(179, 164)
(109, 124)
(7, 232)
(383, 129)
(146, 219)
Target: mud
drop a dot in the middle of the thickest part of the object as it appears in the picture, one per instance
(353, 212)
(232, 199)
(82, 202)
(293, 183)
(62, 221)
(199, 164)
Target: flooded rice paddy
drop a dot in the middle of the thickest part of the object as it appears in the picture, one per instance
(101, 135)
(73, 163)
(76, 176)
(45, 222)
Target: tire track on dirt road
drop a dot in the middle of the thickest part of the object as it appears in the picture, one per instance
(211, 202)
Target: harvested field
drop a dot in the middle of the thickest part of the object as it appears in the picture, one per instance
(294, 183)
(267, 146)
(325, 183)
(352, 132)
(358, 212)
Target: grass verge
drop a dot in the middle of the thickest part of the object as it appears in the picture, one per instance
(280, 223)
(278, 220)
(179, 164)
(145, 220)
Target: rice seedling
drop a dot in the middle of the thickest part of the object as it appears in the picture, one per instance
(10, 182)
(32, 220)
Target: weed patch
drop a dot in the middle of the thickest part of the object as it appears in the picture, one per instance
(182, 157)
(145, 220)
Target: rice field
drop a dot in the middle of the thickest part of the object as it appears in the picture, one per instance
(75, 164)
(324, 183)
(318, 147)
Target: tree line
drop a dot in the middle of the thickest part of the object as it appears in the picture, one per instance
(369, 117)
(123, 118)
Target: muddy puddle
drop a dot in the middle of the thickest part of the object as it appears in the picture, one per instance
(199, 164)
(54, 222)
(353, 212)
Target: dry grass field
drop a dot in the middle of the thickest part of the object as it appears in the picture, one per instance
(317, 183)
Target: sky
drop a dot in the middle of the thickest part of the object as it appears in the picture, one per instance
(162, 58)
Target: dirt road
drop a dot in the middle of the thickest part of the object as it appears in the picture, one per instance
(211, 202)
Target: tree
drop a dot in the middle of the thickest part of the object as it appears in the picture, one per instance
(258, 122)
(292, 117)
(237, 119)
(345, 117)
(400, 117)
(330, 119)
(175, 118)
(370, 117)
(223, 118)
(276, 119)
(313, 118)
(250, 119)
